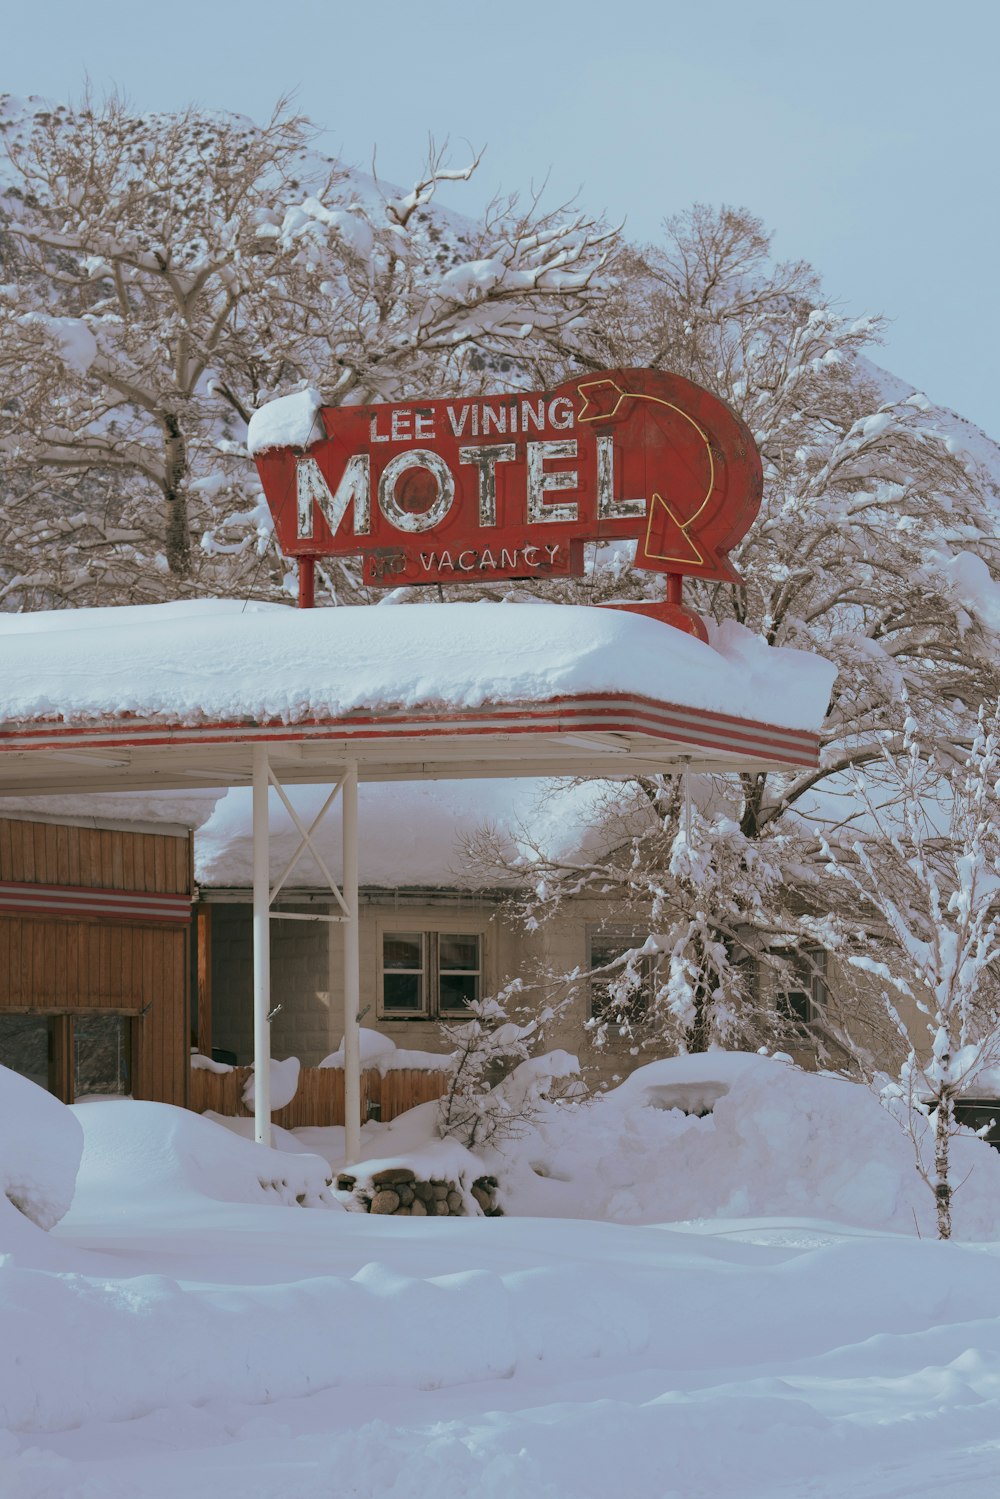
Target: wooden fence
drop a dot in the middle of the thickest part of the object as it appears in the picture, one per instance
(319, 1099)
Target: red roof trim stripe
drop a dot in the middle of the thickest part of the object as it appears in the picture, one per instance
(604, 713)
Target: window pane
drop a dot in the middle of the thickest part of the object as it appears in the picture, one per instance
(458, 951)
(403, 991)
(403, 950)
(625, 993)
(24, 1046)
(101, 1055)
(458, 989)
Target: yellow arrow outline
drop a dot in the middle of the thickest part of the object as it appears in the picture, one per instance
(635, 395)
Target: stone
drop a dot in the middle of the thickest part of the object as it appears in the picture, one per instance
(346, 1183)
(424, 1191)
(405, 1194)
(483, 1197)
(440, 1209)
(402, 1212)
(418, 1210)
(391, 1175)
(439, 1191)
(454, 1201)
(385, 1201)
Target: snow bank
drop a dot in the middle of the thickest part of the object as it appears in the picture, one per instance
(287, 664)
(737, 1136)
(154, 1150)
(40, 1148)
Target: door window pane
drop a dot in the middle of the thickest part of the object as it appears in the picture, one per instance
(26, 1046)
(101, 1046)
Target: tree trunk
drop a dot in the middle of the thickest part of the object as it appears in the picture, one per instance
(700, 1036)
(178, 539)
(942, 1183)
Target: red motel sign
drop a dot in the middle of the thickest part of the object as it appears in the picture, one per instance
(512, 486)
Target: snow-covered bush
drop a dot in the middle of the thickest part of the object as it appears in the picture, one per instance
(494, 1089)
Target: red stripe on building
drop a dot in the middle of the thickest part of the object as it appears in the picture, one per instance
(75, 900)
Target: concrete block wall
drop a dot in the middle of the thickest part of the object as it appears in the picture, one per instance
(304, 1026)
(306, 979)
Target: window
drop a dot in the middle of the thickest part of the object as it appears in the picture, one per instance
(806, 993)
(27, 1046)
(626, 991)
(430, 973)
(82, 1055)
(101, 1056)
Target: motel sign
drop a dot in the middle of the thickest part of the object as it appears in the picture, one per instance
(513, 485)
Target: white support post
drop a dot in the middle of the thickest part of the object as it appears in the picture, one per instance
(352, 966)
(261, 950)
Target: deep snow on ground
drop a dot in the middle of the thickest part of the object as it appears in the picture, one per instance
(162, 1341)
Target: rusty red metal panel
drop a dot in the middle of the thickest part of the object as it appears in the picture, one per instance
(512, 486)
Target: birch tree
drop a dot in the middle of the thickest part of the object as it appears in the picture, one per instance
(928, 867)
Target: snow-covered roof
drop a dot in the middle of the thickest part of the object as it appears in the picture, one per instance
(414, 834)
(436, 685)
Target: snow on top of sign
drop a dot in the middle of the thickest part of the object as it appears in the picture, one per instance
(217, 661)
(290, 421)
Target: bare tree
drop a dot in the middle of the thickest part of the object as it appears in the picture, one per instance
(875, 546)
(164, 275)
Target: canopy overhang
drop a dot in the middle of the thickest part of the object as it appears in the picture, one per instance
(607, 735)
(202, 695)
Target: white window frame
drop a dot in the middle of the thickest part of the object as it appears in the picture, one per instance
(430, 931)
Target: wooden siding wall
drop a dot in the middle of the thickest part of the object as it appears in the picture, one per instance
(53, 963)
(101, 858)
(319, 1099)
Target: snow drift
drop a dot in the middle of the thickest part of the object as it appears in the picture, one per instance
(154, 1150)
(730, 1135)
(40, 1148)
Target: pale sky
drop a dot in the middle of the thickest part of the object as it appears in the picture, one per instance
(865, 133)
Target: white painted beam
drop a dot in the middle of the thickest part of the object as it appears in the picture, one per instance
(261, 949)
(352, 966)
